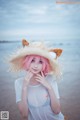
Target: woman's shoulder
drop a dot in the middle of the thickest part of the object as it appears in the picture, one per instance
(50, 78)
(19, 81)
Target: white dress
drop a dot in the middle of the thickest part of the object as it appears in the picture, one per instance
(39, 100)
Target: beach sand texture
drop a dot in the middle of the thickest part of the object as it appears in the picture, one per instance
(69, 87)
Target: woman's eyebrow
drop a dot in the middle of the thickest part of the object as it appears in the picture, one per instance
(41, 60)
(34, 58)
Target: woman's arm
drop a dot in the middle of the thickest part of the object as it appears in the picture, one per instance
(23, 105)
(55, 104)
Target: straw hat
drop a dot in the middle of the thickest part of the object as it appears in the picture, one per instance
(35, 48)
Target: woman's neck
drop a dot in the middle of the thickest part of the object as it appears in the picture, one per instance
(33, 81)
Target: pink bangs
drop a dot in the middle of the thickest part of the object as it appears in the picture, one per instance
(45, 65)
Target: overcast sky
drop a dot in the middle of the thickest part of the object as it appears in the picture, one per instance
(38, 20)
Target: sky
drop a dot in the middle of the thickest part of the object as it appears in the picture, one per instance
(38, 20)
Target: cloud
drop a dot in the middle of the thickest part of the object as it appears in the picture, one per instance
(33, 31)
(56, 31)
(19, 18)
(39, 10)
(34, 10)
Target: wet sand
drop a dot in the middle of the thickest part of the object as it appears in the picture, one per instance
(69, 87)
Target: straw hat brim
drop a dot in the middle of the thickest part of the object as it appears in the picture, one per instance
(18, 56)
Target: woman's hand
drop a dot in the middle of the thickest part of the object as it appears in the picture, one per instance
(27, 78)
(41, 79)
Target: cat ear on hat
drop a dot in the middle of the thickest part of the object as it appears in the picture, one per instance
(25, 42)
(57, 51)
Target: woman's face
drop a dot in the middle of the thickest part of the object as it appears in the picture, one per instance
(36, 65)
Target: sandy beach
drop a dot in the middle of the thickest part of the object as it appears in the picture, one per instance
(69, 86)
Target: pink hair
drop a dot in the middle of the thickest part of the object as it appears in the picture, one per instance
(45, 67)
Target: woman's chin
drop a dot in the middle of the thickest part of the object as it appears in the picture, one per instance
(35, 72)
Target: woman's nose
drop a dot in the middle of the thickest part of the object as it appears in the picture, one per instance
(35, 65)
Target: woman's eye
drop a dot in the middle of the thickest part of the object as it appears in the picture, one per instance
(33, 60)
(40, 62)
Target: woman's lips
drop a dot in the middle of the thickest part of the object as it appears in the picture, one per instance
(35, 69)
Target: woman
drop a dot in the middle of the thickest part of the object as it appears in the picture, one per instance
(37, 94)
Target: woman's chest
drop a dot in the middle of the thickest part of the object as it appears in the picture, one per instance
(37, 96)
